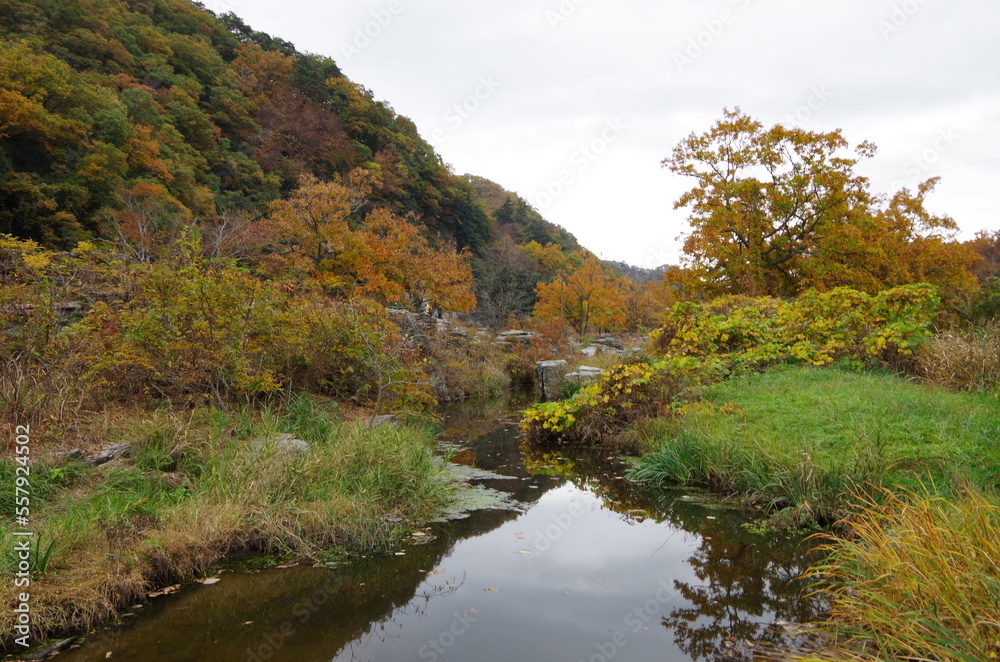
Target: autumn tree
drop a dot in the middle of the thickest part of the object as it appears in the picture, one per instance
(318, 234)
(585, 298)
(777, 211)
(762, 201)
(392, 260)
(311, 227)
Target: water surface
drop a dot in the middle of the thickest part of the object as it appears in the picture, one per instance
(593, 569)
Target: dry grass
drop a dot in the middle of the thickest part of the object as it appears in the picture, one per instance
(919, 579)
(964, 360)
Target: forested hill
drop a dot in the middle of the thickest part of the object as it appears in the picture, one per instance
(161, 106)
(518, 220)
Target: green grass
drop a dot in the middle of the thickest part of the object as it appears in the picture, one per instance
(805, 439)
(199, 487)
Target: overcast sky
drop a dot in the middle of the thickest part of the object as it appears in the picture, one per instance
(573, 104)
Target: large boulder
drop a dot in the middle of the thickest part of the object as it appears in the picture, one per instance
(551, 375)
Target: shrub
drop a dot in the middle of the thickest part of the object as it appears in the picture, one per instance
(816, 328)
(601, 410)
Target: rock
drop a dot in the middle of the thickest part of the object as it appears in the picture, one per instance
(49, 650)
(516, 336)
(584, 374)
(390, 420)
(282, 444)
(550, 378)
(610, 341)
(111, 452)
(599, 347)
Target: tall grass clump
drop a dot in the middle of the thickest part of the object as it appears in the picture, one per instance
(963, 360)
(919, 579)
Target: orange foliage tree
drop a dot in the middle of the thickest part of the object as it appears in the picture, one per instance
(777, 211)
(318, 235)
(586, 297)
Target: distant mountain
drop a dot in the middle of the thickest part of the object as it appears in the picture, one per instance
(639, 274)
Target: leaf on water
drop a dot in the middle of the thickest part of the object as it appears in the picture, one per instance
(525, 551)
(473, 611)
(166, 591)
(209, 581)
(491, 589)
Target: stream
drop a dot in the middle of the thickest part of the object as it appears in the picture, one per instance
(588, 567)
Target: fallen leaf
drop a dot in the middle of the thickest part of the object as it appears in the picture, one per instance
(525, 551)
(248, 623)
(473, 611)
(491, 589)
(210, 580)
(435, 572)
(164, 591)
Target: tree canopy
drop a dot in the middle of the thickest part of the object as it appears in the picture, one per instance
(775, 211)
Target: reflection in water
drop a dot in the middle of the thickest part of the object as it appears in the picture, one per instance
(595, 569)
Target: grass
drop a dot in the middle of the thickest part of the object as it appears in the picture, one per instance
(919, 579)
(800, 440)
(964, 360)
(199, 487)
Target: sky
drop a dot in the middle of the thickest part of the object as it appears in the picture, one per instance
(573, 104)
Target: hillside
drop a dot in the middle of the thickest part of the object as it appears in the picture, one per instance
(515, 218)
(161, 105)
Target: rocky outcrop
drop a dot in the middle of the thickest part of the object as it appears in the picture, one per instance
(604, 345)
(584, 374)
(550, 375)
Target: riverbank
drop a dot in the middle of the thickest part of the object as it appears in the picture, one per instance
(203, 484)
(807, 443)
(905, 473)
